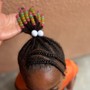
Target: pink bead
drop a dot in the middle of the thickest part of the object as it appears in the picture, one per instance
(42, 25)
(22, 27)
(21, 10)
(28, 19)
(25, 22)
(17, 16)
(30, 13)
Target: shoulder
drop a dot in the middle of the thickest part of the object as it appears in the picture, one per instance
(71, 67)
(71, 72)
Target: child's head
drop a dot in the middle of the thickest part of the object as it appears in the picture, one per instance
(41, 60)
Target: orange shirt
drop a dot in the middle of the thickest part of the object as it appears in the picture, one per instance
(71, 72)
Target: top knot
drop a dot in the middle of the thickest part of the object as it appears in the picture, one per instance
(31, 22)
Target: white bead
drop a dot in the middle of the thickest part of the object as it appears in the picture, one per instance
(40, 33)
(34, 33)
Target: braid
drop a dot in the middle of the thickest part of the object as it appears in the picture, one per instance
(43, 44)
(39, 49)
(23, 51)
(47, 54)
(41, 61)
(55, 46)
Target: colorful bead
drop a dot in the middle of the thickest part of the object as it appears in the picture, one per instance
(23, 16)
(20, 21)
(42, 20)
(38, 16)
(27, 15)
(32, 10)
(32, 19)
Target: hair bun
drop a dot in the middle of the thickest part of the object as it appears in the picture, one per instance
(31, 22)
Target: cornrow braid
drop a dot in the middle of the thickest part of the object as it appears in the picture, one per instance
(55, 46)
(39, 49)
(41, 61)
(47, 54)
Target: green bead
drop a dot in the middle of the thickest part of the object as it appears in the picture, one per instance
(18, 18)
(26, 12)
(31, 16)
(19, 21)
(28, 17)
(22, 15)
(21, 25)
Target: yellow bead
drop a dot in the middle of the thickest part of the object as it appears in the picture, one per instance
(21, 25)
(24, 19)
(39, 17)
(32, 10)
(33, 21)
(42, 20)
(26, 15)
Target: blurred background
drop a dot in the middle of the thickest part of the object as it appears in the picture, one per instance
(67, 22)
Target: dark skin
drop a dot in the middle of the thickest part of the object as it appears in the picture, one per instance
(46, 79)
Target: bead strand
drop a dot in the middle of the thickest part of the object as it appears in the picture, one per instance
(20, 21)
(27, 15)
(32, 18)
(23, 16)
(32, 10)
(38, 16)
(42, 20)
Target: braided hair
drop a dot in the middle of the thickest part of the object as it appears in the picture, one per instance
(39, 51)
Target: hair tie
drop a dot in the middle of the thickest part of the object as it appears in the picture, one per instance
(36, 33)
